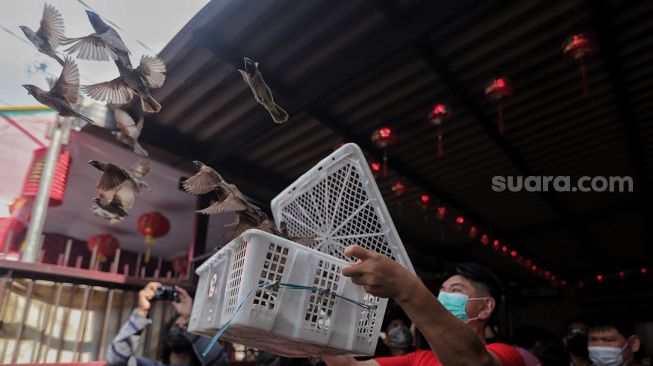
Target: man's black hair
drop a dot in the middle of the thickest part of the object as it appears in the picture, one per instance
(624, 327)
(479, 275)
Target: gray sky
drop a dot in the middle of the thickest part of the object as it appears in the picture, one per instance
(153, 22)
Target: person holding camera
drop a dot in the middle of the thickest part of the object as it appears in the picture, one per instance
(178, 347)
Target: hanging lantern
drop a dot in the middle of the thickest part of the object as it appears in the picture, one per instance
(106, 245)
(17, 229)
(485, 240)
(424, 201)
(399, 188)
(579, 48)
(180, 265)
(383, 138)
(375, 167)
(441, 212)
(31, 187)
(473, 232)
(460, 221)
(498, 90)
(152, 225)
(437, 117)
(495, 243)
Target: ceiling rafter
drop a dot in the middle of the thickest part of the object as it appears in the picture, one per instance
(425, 51)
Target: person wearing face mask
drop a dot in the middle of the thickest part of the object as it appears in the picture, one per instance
(453, 323)
(612, 343)
(575, 340)
(178, 347)
(399, 338)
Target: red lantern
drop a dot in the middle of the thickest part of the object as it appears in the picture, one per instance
(513, 253)
(152, 225)
(180, 265)
(473, 232)
(495, 243)
(383, 138)
(459, 222)
(399, 188)
(579, 48)
(438, 115)
(31, 187)
(376, 169)
(485, 239)
(13, 225)
(498, 90)
(106, 245)
(441, 212)
(622, 274)
(599, 278)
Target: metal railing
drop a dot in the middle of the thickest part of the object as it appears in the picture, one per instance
(58, 313)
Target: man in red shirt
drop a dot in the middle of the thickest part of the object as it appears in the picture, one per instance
(453, 323)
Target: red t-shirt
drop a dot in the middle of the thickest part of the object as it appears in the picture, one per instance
(508, 356)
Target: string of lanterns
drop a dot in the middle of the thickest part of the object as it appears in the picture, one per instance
(614, 276)
(579, 47)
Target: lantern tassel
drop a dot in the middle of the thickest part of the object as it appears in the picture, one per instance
(148, 253)
(385, 163)
(440, 142)
(583, 71)
(502, 128)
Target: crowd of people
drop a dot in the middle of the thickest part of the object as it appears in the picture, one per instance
(447, 328)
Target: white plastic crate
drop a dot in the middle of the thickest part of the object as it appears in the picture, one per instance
(337, 203)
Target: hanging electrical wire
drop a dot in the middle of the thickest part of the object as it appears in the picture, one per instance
(117, 27)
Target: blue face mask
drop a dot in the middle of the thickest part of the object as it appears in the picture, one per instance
(457, 304)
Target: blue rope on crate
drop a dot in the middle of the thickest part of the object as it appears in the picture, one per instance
(275, 286)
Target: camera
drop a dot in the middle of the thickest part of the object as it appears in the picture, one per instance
(166, 293)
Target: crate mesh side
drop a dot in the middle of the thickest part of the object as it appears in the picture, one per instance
(235, 274)
(367, 319)
(337, 212)
(320, 307)
(273, 267)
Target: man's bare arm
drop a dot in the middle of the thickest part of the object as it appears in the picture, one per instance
(453, 342)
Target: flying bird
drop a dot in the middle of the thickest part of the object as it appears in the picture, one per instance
(112, 208)
(64, 94)
(204, 181)
(49, 35)
(103, 45)
(229, 197)
(129, 131)
(139, 170)
(150, 74)
(112, 217)
(116, 185)
(303, 240)
(250, 219)
(262, 93)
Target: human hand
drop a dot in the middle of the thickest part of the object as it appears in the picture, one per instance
(378, 274)
(145, 297)
(185, 305)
